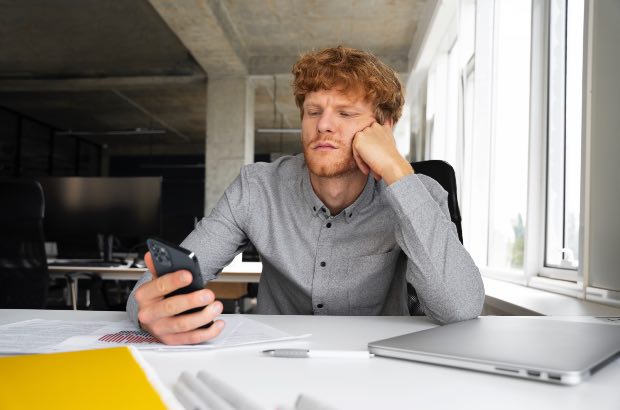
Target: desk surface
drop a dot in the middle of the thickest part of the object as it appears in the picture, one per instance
(362, 383)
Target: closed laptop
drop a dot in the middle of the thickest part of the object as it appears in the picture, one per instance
(557, 351)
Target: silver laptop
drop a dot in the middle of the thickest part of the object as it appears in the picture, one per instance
(537, 349)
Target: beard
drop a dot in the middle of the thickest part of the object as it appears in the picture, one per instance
(330, 164)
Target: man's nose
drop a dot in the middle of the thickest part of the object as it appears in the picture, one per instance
(326, 122)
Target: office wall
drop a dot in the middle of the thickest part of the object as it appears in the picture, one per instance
(601, 197)
(31, 148)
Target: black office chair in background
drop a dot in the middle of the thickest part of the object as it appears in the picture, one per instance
(443, 173)
(23, 265)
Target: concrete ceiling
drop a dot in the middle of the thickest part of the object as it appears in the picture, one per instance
(110, 65)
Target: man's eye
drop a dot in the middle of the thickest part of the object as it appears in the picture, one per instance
(313, 113)
(346, 114)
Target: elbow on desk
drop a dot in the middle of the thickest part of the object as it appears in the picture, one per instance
(459, 310)
(445, 318)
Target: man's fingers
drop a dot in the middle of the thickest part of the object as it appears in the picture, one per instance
(148, 261)
(194, 336)
(361, 165)
(174, 305)
(375, 151)
(160, 287)
(186, 322)
(358, 160)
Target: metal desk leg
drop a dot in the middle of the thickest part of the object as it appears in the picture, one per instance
(73, 289)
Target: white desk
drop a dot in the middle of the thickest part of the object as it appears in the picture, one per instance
(376, 383)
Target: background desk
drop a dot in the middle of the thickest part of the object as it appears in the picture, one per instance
(362, 383)
(239, 273)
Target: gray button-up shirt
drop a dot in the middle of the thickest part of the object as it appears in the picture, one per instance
(353, 263)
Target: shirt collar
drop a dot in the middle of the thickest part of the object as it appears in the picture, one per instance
(362, 201)
(318, 208)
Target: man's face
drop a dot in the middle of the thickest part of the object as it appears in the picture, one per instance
(330, 121)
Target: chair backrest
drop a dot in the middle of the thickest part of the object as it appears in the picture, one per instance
(443, 173)
(23, 265)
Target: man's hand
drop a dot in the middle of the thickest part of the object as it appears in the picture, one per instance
(157, 314)
(374, 149)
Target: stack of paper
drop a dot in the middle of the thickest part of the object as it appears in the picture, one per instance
(42, 336)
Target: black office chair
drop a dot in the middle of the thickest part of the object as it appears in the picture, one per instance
(23, 265)
(443, 173)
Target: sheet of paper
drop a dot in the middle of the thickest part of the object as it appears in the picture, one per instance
(38, 335)
(41, 336)
(239, 330)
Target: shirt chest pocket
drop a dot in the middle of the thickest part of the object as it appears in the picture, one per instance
(368, 282)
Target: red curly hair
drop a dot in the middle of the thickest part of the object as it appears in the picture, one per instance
(350, 70)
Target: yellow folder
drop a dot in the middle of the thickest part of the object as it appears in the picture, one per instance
(89, 379)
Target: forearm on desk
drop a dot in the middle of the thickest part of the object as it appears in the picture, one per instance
(447, 281)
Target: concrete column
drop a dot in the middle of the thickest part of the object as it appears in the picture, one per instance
(230, 133)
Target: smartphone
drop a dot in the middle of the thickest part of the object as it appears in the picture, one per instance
(169, 258)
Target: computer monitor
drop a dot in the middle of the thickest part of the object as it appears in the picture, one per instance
(87, 207)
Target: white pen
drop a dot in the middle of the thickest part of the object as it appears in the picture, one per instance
(305, 353)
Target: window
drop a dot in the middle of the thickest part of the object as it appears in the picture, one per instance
(565, 70)
(449, 71)
(495, 131)
(508, 114)
(436, 111)
(509, 134)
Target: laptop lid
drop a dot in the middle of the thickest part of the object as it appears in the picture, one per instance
(538, 349)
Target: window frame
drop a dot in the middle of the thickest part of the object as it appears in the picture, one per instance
(534, 273)
(538, 166)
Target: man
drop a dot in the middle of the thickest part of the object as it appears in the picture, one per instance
(340, 229)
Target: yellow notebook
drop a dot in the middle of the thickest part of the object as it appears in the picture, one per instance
(92, 379)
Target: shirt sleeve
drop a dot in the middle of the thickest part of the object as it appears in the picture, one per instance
(216, 239)
(445, 277)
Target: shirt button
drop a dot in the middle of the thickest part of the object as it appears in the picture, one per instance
(329, 225)
(314, 208)
(323, 264)
(320, 305)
